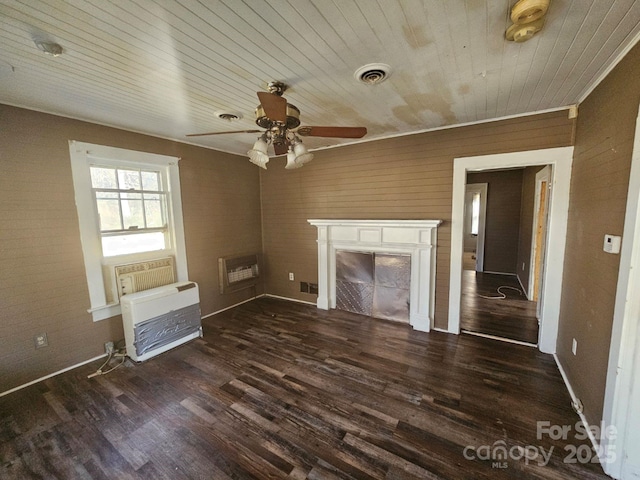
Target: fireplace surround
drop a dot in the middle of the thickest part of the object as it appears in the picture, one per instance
(416, 238)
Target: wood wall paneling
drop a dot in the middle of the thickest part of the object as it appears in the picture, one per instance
(398, 178)
(42, 278)
(504, 192)
(599, 183)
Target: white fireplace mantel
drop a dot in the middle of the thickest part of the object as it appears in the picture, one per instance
(417, 238)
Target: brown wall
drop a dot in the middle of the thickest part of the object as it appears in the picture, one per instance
(504, 191)
(42, 278)
(599, 183)
(527, 204)
(400, 178)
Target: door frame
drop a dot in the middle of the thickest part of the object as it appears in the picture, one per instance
(543, 175)
(482, 189)
(561, 159)
(622, 376)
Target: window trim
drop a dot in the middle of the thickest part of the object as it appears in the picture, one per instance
(82, 156)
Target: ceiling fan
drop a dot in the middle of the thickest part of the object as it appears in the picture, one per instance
(282, 123)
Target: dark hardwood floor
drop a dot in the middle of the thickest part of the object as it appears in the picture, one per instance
(282, 390)
(513, 318)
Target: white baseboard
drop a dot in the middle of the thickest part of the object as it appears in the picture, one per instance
(232, 306)
(52, 375)
(524, 291)
(254, 298)
(594, 441)
(290, 299)
(500, 273)
(501, 339)
(435, 329)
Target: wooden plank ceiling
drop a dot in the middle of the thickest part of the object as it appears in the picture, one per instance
(166, 68)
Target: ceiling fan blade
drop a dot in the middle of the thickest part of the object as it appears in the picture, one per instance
(280, 148)
(274, 106)
(222, 133)
(338, 132)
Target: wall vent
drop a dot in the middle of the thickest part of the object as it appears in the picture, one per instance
(238, 273)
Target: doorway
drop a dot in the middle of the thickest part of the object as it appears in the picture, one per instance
(494, 298)
(475, 214)
(553, 263)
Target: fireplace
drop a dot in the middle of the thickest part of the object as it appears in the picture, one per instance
(413, 240)
(373, 284)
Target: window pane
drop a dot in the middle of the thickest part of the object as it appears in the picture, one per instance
(132, 243)
(109, 212)
(150, 181)
(153, 210)
(103, 177)
(475, 214)
(128, 179)
(132, 213)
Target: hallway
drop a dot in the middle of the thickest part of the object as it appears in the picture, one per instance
(513, 317)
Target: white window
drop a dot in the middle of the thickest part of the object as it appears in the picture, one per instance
(132, 206)
(475, 213)
(129, 209)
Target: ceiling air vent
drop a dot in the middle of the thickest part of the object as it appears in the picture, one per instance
(372, 74)
(228, 116)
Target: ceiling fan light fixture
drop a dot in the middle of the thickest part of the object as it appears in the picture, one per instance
(373, 73)
(258, 154)
(302, 154)
(292, 160)
(258, 158)
(281, 121)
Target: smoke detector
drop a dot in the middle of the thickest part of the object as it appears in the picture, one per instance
(373, 73)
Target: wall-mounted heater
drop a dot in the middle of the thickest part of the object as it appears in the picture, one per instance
(238, 273)
(159, 319)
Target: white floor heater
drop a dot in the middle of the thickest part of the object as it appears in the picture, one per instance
(159, 319)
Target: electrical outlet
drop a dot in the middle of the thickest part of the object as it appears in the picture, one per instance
(40, 340)
(108, 347)
(574, 346)
(291, 276)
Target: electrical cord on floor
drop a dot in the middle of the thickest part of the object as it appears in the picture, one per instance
(501, 295)
(112, 354)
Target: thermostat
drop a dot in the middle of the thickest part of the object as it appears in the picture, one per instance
(612, 243)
